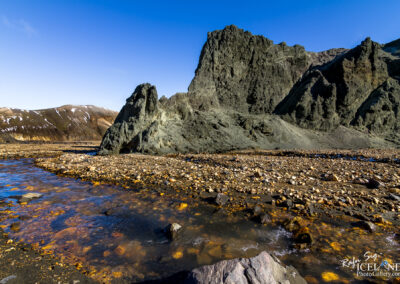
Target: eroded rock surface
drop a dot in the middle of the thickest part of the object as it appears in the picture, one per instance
(243, 81)
(245, 72)
(358, 89)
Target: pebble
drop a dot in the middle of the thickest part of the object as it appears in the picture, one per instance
(366, 225)
(29, 196)
(221, 199)
(257, 210)
(265, 219)
(172, 230)
(373, 183)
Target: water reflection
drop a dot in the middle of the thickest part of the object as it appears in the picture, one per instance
(117, 232)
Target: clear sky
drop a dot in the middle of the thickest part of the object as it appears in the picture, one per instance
(59, 52)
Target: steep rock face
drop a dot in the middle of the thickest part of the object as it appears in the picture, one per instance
(139, 113)
(245, 72)
(239, 81)
(380, 113)
(331, 94)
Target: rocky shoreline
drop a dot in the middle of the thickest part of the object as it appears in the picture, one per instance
(302, 182)
(22, 263)
(309, 193)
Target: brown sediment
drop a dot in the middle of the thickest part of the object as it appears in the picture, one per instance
(21, 263)
(42, 149)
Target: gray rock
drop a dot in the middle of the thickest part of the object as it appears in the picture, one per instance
(29, 196)
(8, 278)
(394, 197)
(133, 124)
(261, 269)
(221, 199)
(257, 210)
(287, 203)
(265, 219)
(172, 230)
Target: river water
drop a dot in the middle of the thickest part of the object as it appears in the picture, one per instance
(117, 233)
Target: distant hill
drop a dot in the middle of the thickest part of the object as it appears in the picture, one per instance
(65, 123)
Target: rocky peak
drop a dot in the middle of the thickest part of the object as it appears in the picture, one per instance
(240, 80)
(330, 95)
(139, 112)
(142, 102)
(322, 57)
(245, 72)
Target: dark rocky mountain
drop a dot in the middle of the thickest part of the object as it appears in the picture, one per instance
(65, 123)
(358, 88)
(250, 93)
(393, 47)
(245, 72)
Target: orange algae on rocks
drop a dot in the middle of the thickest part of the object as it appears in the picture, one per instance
(329, 276)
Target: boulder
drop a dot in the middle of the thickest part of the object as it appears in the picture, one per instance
(373, 183)
(134, 123)
(260, 269)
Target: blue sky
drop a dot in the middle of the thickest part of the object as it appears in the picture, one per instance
(96, 52)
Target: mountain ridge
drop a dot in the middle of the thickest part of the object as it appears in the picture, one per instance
(64, 123)
(235, 100)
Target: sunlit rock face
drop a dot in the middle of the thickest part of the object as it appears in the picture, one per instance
(251, 93)
(262, 269)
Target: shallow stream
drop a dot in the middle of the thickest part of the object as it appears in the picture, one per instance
(117, 233)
